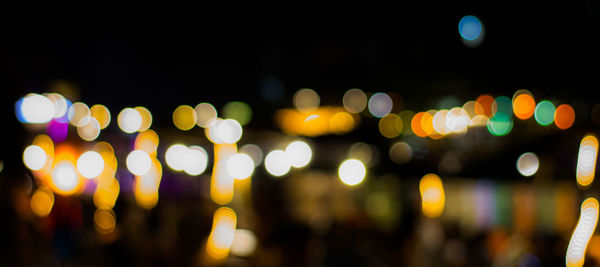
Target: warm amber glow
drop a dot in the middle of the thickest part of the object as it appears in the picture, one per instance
(564, 116)
(101, 114)
(146, 118)
(432, 195)
(341, 123)
(416, 125)
(90, 131)
(222, 233)
(484, 106)
(184, 117)
(206, 115)
(306, 100)
(106, 193)
(323, 120)
(79, 114)
(41, 202)
(586, 226)
(523, 106)
(147, 141)
(390, 125)
(427, 122)
(221, 183)
(105, 221)
(586, 161)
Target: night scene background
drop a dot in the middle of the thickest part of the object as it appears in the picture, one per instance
(460, 137)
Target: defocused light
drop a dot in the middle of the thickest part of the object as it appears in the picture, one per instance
(380, 104)
(254, 152)
(432, 195)
(341, 122)
(528, 164)
(586, 160)
(206, 114)
(90, 164)
(240, 166)
(427, 122)
(147, 141)
(401, 153)
(564, 116)
(104, 221)
(470, 107)
(90, 131)
(354, 100)
(586, 226)
(42, 202)
(544, 113)
(79, 114)
(306, 100)
(523, 106)
(138, 162)
(299, 154)
(478, 121)
(61, 105)
(222, 233)
(64, 177)
(34, 157)
(129, 120)
(406, 116)
(502, 104)
(483, 105)
(439, 122)
(471, 30)
(244, 243)
(176, 157)
(277, 163)
(146, 118)
(238, 111)
(57, 130)
(102, 115)
(221, 183)
(184, 117)
(352, 172)
(416, 125)
(457, 120)
(363, 152)
(229, 131)
(106, 193)
(195, 160)
(390, 126)
(37, 109)
(499, 125)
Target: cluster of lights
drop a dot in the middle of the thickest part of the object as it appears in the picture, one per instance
(131, 120)
(297, 154)
(580, 238)
(192, 160)
(432, 195)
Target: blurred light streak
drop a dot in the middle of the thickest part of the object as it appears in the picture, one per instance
(277, 163)
(354, 100)
(564, 116)
(42, 202)
(528, 164)
(380, 104)
(580, 238)
(306, 100)
(323, 120)
(184, 117)
(432, 195)
(524, 209)
(101, 114)
(544, 113)
(298, 153)
(352, 172)
(586, 160)
(221, 183)
(222, 234)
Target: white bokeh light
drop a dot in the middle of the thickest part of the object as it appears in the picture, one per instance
(277, 163)
(229, 131)
(299, 154)
(37, 109)
(90, 164)
(195, 160)
(528, 164)
(64, 176)
(175, 157)
(240, 166)
(380, 104)
(34, 157)
(244, 243)
(129, 120)
(138, 162)
(352, 172)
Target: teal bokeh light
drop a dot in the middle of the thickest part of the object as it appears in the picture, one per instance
(544, 113)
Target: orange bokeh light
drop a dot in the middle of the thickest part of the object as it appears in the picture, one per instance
(524, 106)
(485, 105)
(564, 116)
(416, 125)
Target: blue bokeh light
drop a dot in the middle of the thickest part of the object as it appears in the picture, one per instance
(470, 28)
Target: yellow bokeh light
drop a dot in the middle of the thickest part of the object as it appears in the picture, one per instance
(102, 115)
(106, 194)
(146, 118)
(184, 117)
(42, 202)
(580, 238)
(222, 233)
(390, 125)
(79, 114)
(341, 123)
(306, 100)
(105, 220)
(221, 185)
(206, 114)
(432, 195)
(352, 172)
(90, 131)
(586, 160)
(147, 141)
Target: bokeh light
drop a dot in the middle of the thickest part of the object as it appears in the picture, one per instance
(229, 131)
(457, 120)
(34, 157)
(147, 141)
(588, 219)
(41, 202)
(432, 195)
(102, 115)
(61, 105)
(206, 115)
(438, 122)
(244, 243)
(354, 100)
(176, 157)
(184, 117)
(64, 178)
(306, 100)
(471, 30)
(90, 131)
(523, 106)
(79, 114)
(499, 125)
(415, 124)
(37, 109)
(564, 116)
(528, 164)
(341, 123)
(196, 161)
(254, 152)
(401, 153)
(240, 166)
(138, 162)
(406, 116)
(222, 233)
(129, 120)
(298, 153)
(586, 160)
(90, 164)
(544, 113)
(352, 172)
(380, 104)
(502, 104)
(239, 111)
(483, 105)
(277, 163)
(105, 220)
(390, 125)
(146, 118)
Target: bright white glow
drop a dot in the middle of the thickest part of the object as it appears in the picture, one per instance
(380, 104)
(586, 160)
(34, 157)
(89, 131)
(138, 162)
(582, 233)
(299, 154)
(229, 131)
(352, 172)
(60, 104)
(90, 164)
(277, 163)
(254, 152)
(37, 109)
(176, 157)
(240, 166)
(528, 164)
(244, 243)
(64, 176)
(195, 160)
(457, 120)
(129, 120)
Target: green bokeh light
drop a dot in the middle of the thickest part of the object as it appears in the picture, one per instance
(500, 124)
(238, 111)
(544, 113)
(503, 104)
